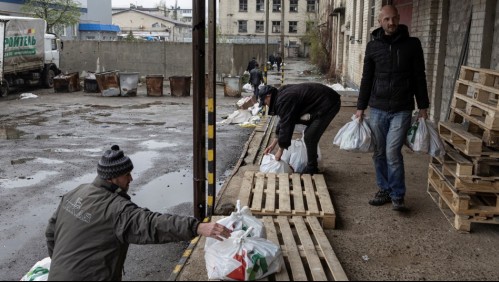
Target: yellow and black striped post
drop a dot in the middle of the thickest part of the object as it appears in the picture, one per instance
(212, 113)
(282, 72)
(265, 74)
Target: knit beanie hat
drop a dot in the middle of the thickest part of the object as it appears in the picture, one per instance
(114, 163)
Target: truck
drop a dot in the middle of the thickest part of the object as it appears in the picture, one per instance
(28, 55)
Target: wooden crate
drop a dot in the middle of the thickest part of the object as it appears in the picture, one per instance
(308, 255)
(480, 84)
(289, 195)
(476, 111)
(460, 139)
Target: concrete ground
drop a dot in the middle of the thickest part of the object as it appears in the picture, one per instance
(57, 138)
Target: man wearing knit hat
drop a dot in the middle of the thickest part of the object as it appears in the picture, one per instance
(89, 234)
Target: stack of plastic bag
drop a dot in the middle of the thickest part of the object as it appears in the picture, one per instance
(243, 258)
(355, 136)
(248, 88)
(270, 165)
(423, 138)
(39, 272)
(296, 155)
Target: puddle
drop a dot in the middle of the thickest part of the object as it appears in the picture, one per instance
(153, 145)
(142, 161)
(165, 192)
(48, 161)
(10, 133)
(26, 181)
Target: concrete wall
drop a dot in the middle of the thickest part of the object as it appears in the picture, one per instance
(169, 59)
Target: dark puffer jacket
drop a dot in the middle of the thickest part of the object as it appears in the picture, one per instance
(89, 234)
(295, 100)
(394, 73)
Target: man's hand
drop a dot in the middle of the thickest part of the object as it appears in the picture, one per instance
(359, 114)
(271, 147)
(278, 155)
(214, 230)
(423, 113)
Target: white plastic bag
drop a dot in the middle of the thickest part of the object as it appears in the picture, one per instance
(437, 147)
(418, 137)
(270, 165)
(237, 117)
(248, 88)
(243, 258)
(355, 136)
(241, 219)
(39, 272)
(296, 155)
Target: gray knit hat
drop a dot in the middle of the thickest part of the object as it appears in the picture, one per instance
(114, 163)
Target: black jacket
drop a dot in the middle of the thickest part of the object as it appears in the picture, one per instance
(394, 73)
(251, 65)
(295, 100)
(256, 77)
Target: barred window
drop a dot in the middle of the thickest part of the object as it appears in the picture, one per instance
(293, 6)
(243, 26)
(293, 27)
(276, 27)
(260, 27)
(276, 5)
(260, 5)
(243, 5)
(310, 5)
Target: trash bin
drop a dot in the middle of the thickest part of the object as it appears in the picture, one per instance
(109, 83)
(232, 86)
(180, 85)
(90, 83)
(154, 85)
(129, 82)
(66, 83)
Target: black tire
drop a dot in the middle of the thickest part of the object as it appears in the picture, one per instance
(4, 88)
(48, 80)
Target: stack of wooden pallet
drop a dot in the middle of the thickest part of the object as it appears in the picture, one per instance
(465, 182)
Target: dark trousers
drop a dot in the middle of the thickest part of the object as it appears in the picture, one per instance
(255, 90)
(314, 131)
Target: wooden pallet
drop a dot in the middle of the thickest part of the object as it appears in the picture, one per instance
(460, 139)
(308, 255)
(447, 204)
(480, 84)
(289, 195)
(489, 137)
(476, 111)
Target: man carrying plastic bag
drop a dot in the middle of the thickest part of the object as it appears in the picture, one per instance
(355, 136)
(423, 138)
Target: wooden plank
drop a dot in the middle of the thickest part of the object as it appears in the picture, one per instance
(272, 236)
(271, 193)
(284, 194)
(331, 259)
(313, 208)
(480, 112)
(246, 187)
(299, 207)
(460, 139)
(294, 257)
(313, 260)
(323, 193)
(256, 202)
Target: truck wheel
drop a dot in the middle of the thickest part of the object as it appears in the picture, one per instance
(49, 78)
(4, 88)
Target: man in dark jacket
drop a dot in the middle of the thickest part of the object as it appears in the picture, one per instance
(394, 73)
(312, 104)
(89, 234)
(256, 78)
(278, 61)
(251, 64)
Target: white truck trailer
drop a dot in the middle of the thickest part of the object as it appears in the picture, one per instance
(28, 56)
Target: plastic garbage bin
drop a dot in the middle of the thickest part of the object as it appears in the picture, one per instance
(109, 83)
(232, 86)
(180, 86)
(154, 85)
(129, 82)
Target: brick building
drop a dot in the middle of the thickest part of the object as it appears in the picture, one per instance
(453, 33)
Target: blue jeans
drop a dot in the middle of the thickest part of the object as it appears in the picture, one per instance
(390, 131)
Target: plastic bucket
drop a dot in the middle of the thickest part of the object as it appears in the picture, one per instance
(154, 85)
(129, 82)
(108, 82)
(180, 86)
(232, 86)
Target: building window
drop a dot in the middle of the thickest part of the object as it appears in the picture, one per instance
(243, 26)
(260, 5)
(276, 5)
(310, 5)
(276, 27)
(293, 6)
(293, 27)
(243, 5)
(372, 13)
(310, 26)
(260, 26)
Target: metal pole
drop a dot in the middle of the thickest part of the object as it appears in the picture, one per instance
(212, 109)
(267, 23)
(283, 27)
(199, 112)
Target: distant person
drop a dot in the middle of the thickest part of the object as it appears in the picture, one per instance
(312, 104)
(89, 234)
(251, 64)
(394, 74)
(278, 61)
(256, 78)
(272, 61)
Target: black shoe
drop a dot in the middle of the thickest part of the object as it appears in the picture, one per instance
(381, 198)
(310, 170)
(399, 205)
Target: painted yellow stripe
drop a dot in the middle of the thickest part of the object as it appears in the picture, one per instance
(211, 105)
(187, 253)
(210, 201)
(177, 269)
(211, 131)
(211, 178)
(211, 155)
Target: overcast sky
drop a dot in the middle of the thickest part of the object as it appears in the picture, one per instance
(186, 4)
